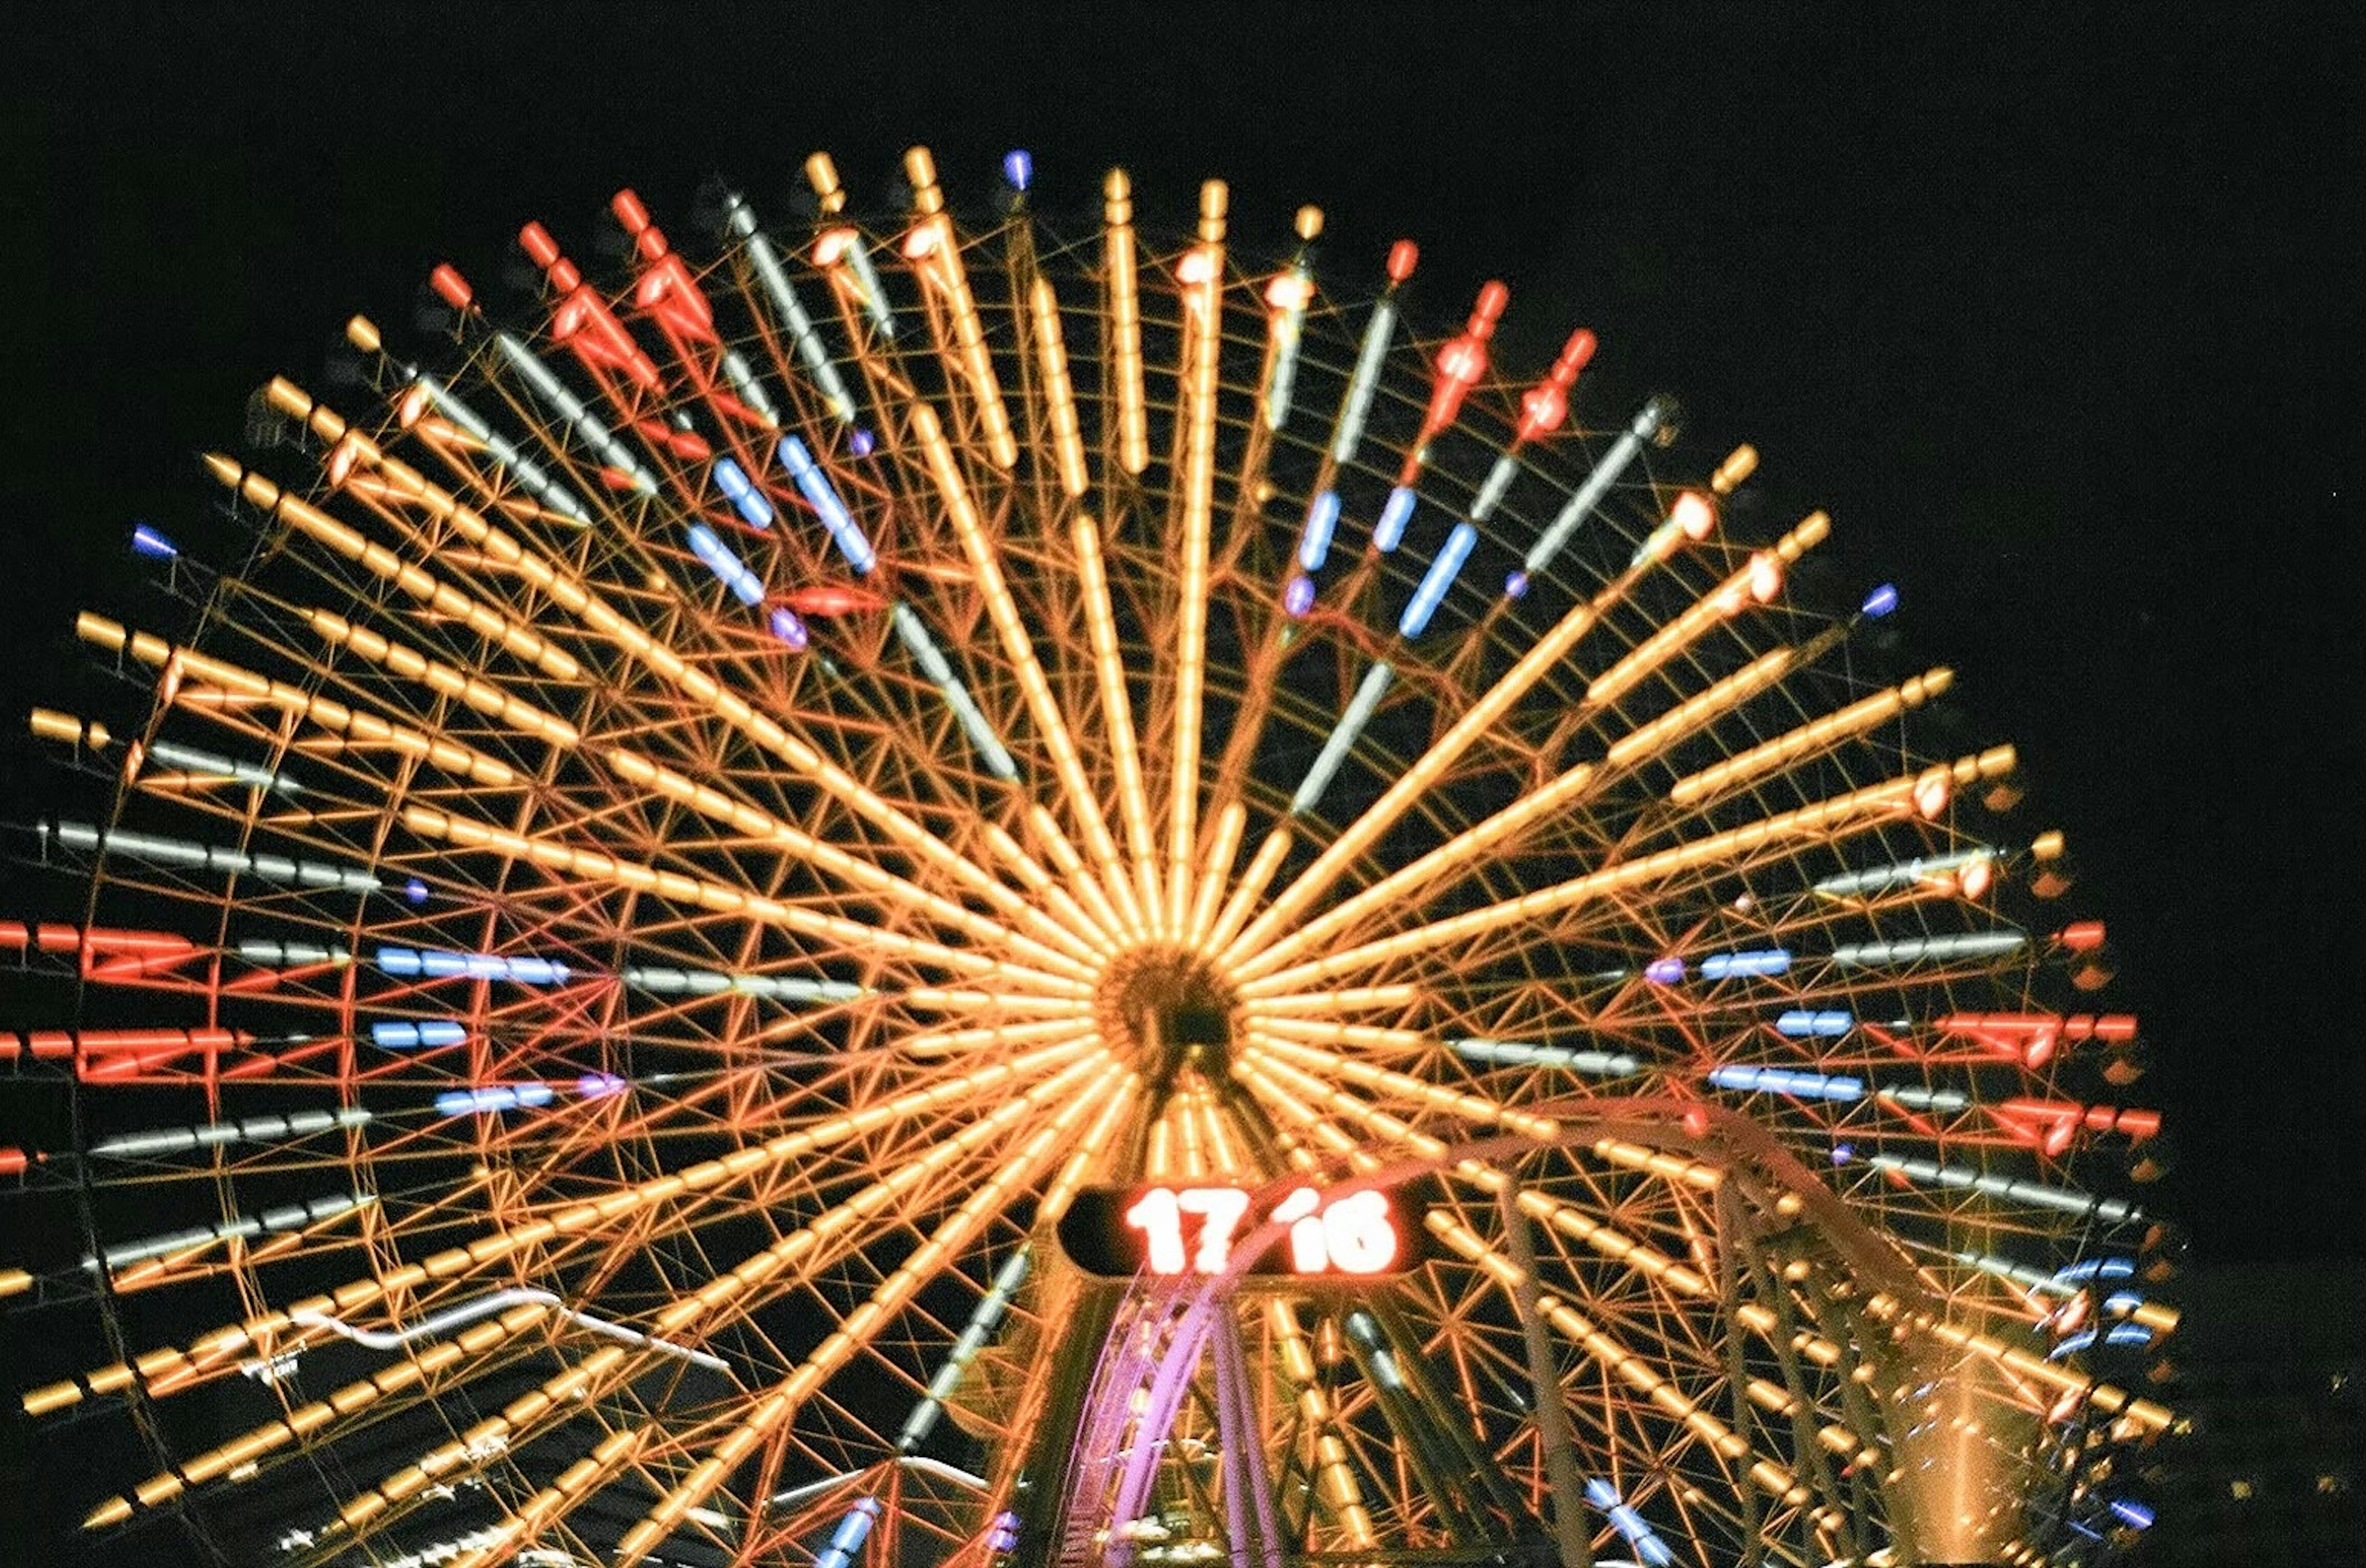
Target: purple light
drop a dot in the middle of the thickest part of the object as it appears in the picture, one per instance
(1664, 971)
(788, 629)
(1880, 602)
(1298, 597)
(861, 443)
(1516, 585)
(415, 890)
(599, 1086)
(146, 541)
(1843, 1153)
(1019, 168)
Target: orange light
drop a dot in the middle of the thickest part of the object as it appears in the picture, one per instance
(1693, 514)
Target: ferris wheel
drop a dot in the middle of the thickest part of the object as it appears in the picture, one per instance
(904, 893)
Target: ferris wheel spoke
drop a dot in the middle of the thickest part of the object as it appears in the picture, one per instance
(603, 621)
(1037, 1156)
(593, 868)
(1019, 648)
(1857, 811)
(732, 1294)
(273, 1331)
(1409, 788)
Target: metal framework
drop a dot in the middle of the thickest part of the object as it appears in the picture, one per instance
(719, 804)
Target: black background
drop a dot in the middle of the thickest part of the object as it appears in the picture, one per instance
(2058, 316)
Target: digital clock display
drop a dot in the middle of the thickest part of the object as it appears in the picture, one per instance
(1197, 1229)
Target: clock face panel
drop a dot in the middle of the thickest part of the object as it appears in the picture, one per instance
(1293, 1231)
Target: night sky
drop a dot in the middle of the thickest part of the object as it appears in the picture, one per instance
(2059, 319)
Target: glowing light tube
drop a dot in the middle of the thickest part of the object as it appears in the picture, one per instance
(287, 1217)
(182, 853)
(732, 481)
(775, 281)
(823, 497)
(1917, 948)
(1437, 580)
(173, 754)
(1517, 1053)
(1322, 521)
(1782, 1081)
(396, 1036)
(492, 1098)
(1799, 1023)
(292, 954)
(1919, 1096)
(552, 391)
(931, 660)
(435, 965)
(1648, 1548)
(1499, 479)
(725, 564)
(1588, 495)
(1343, 735)
(214, 1134)
(1395, 512)
(488, 1306)
(553, 494)
(1356, 405)
(2064, 1200)
(973, 1336)
(857, 255)
(1902, 873)
(709, 982)
(751, 391)
(1734, 966)
(851, 1533)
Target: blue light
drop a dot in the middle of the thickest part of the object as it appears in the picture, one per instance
(1880, 602)
(2096, 1268)
(415, 890)
(1664, 971)
(788, 629)
(823, 497)
(1437, 580)
(1388, 531)
(1516, 585)
(1019, 168)
(1843, 1153)
(1322, 518)
(1799, 1023)
(852, 1531)
(405, 1036)
(1733, 965)
(1298, 595)
(861, 443)
(732, 481)
(744, 585)
(434, 964)
(146, 541)
(1779, 1080)
(2135, 1516)
(492, 1099)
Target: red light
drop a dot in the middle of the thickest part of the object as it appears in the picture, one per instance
(1403, 256)
(2083, 937)
(448, 282)
(539, 245)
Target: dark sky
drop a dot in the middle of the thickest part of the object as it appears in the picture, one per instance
(2059, 319)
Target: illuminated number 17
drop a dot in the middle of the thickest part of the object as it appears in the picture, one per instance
(1159, 1214)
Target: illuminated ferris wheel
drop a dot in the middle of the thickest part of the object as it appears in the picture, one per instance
(916, 894)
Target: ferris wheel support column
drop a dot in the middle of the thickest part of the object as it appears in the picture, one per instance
(1552, 1416)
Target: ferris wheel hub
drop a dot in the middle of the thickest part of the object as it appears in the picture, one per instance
(1166, 1006)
